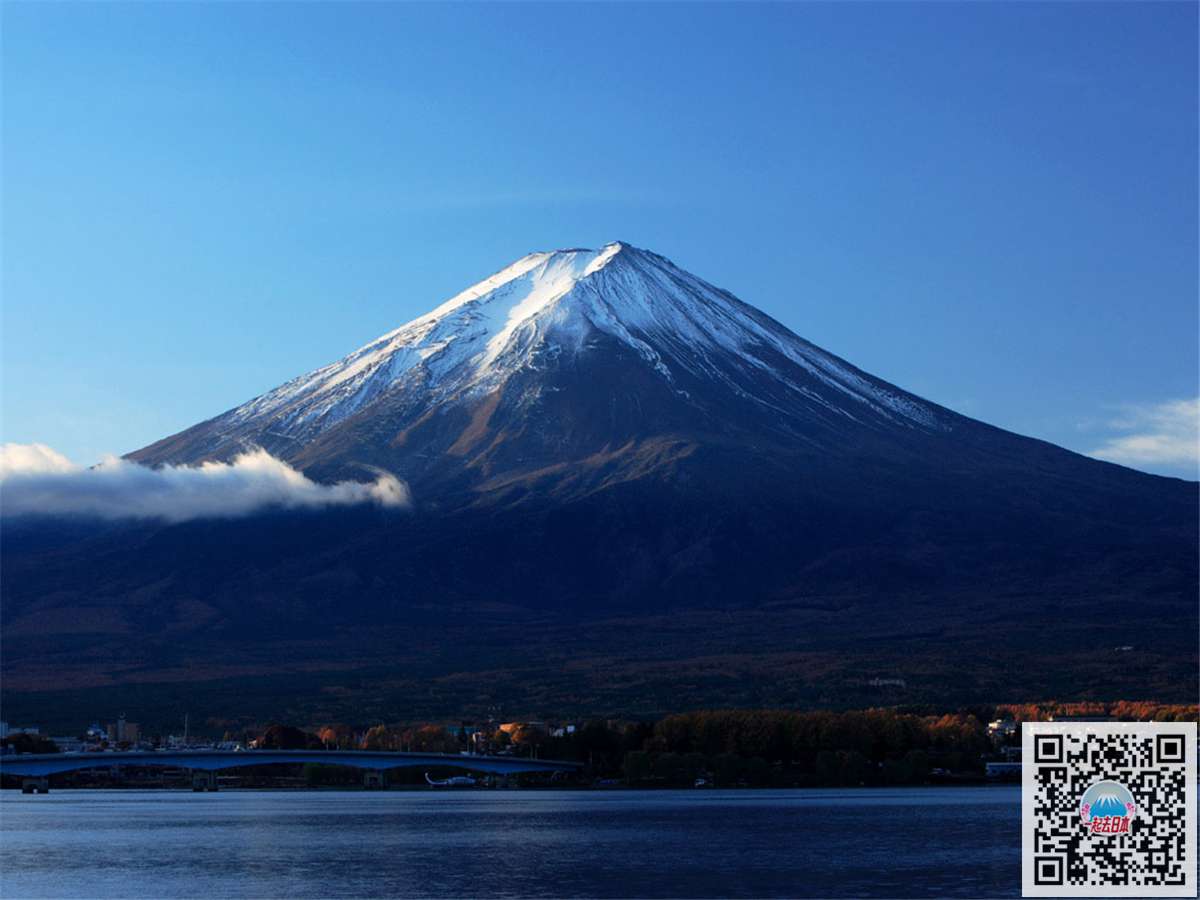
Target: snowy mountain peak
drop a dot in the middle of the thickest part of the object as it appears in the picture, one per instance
(539, 268)
(696, 347)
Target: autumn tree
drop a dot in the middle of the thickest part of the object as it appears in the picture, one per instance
(339, 736)
(529, 738)
(430, 739)
(285, 737)
(380, 737)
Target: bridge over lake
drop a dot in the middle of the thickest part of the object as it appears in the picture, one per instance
(35, 768)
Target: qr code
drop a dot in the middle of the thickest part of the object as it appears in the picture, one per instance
(1108, 809)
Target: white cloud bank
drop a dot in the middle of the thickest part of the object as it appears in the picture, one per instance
(35, 479)
(1160, 434)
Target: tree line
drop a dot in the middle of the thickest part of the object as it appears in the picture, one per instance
(753, 747)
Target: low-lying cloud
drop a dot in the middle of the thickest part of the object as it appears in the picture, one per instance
(37, 480)
(1159, 434)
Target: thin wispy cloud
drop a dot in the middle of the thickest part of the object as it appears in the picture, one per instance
(1158, 434)
(37, 480)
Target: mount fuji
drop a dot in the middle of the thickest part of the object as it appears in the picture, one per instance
(561, 361)
(1108, 805)
(632, 492)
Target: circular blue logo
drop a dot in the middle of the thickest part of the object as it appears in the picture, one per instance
(1107, 807)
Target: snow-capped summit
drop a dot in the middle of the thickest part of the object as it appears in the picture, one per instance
(554, 303)
(688, 356)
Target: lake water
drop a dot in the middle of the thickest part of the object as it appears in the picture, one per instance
(919, 842)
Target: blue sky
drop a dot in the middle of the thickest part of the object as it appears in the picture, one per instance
(991, 205)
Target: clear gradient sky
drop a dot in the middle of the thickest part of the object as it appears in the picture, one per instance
(991, 205)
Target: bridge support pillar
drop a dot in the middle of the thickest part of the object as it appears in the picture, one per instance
(35, 785)
(375, 780)
(204, 780)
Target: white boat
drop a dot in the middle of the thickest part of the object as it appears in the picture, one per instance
(455, 781)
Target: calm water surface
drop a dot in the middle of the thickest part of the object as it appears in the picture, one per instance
(920, 842)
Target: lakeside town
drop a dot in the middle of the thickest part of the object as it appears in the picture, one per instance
(712, 748)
